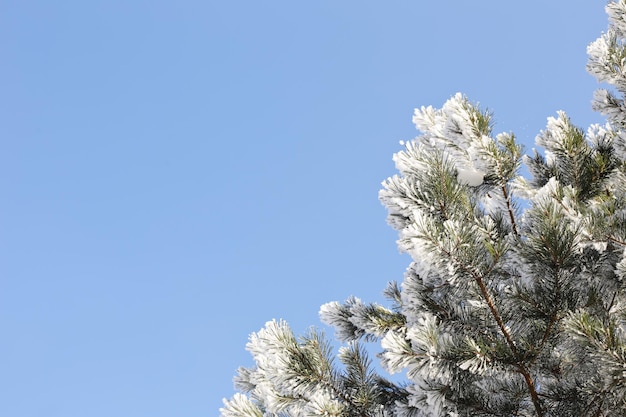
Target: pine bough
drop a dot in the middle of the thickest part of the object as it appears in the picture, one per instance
(515, 302)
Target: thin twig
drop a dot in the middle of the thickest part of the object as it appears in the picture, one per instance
(507, 198)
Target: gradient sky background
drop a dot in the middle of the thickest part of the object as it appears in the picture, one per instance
(176, 173)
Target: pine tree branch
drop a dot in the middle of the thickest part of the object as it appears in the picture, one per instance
(553, 320)
(553, 317)
(531, 387)
(498, 318)
(485, 293)
(509, 207)
(619, 242)
(494, 311)
(347, 399)
(612, 302)
(520, 366)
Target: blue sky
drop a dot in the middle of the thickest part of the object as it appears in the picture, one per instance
(175, 174)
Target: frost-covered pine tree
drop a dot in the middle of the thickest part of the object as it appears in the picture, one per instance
(515, 302)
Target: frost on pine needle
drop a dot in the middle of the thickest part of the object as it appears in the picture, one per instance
(617, 17)
(240, 406)
(514, 303)
(354, 319)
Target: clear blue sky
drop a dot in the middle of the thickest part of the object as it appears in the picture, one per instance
(175, 173)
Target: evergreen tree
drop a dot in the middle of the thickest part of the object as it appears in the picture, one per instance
(515, 302)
